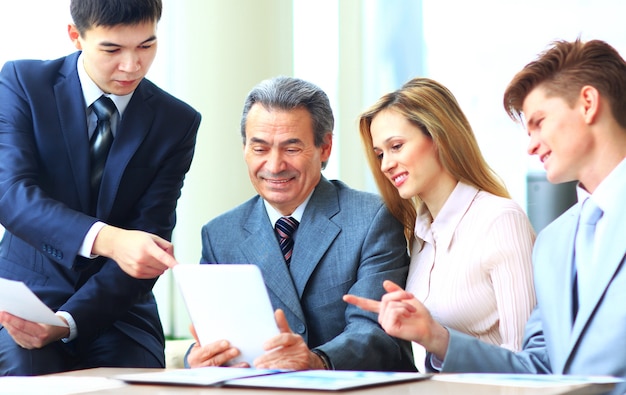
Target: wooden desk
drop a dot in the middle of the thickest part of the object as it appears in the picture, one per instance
(426, 387)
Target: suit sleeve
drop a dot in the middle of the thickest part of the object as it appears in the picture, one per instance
(27, 210)
(153, 213)
(364, 344)
(207, 249)
(468, 354)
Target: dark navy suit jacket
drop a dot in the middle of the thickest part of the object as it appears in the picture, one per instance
(44, 194)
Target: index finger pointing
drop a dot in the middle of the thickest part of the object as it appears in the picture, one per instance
(363, 303)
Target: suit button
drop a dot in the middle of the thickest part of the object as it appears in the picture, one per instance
(300, 329)
(52, 251)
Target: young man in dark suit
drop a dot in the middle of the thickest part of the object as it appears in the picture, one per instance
(90, 236)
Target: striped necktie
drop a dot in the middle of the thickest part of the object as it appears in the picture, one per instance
(285, 227)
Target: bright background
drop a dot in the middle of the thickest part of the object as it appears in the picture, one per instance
(212, 52)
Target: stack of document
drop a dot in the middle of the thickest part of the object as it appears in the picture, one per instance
(324, 380)
(337, 380)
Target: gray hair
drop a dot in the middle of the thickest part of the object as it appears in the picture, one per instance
(288, 93)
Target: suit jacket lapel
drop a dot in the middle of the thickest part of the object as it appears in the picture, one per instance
(260, 246)
(131, 132)
(73, 125)
(315, 233)
(611, 251)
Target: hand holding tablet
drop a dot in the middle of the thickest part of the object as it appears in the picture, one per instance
(228, 301)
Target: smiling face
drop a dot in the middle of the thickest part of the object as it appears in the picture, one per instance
(117, 57)
(408, 157)
(559, 135)
(284, 164)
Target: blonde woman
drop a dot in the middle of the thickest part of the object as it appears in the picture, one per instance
(470, 242)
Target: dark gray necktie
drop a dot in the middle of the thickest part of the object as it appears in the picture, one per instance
(100, 143)
(285, 227)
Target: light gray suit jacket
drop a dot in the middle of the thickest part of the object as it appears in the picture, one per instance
(347, 242)
(595, 344)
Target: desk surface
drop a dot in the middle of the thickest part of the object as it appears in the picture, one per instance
(425, 387)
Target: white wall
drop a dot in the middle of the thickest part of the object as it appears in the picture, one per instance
(476, 47)
(37, 35)
(211, 54)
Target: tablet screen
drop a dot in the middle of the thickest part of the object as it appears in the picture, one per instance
(228, 301)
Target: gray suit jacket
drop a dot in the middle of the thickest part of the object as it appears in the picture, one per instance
(595, 343)
(347, 242)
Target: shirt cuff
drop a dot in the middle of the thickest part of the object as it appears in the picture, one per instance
(435, 363)
(90, 238)
(71, 323)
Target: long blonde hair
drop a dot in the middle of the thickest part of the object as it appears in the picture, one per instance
(430, 106)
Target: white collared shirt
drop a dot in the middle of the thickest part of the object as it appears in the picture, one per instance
(608, 196)
(91, 93)
(274, 215)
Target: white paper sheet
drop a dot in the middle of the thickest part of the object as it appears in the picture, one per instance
(205, 376)
(525, 380)
(56, 385)
(327, 380)
(16, 298)
(322, 380)
(228, 302)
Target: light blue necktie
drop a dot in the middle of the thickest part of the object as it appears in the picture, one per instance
(584, 249)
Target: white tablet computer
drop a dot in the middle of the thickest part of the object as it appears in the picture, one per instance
(229, 302)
